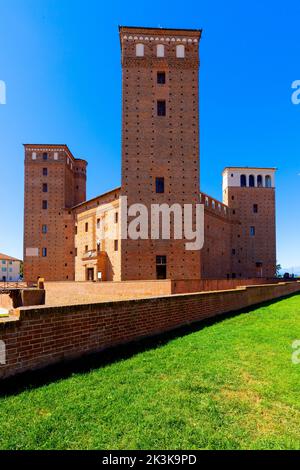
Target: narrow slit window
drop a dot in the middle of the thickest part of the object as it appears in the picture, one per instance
(161, 108)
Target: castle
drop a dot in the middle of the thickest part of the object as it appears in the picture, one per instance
(67, 237)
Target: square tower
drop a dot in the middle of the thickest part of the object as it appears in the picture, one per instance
(160, 141)
(250, 194)
(55, 181)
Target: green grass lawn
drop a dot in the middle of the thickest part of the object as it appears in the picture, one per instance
(229, 385)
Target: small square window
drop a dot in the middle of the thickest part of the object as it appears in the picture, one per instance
(161, 108)
(161, 78)
(160, 185)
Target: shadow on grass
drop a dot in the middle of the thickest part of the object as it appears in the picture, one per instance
(89, 362)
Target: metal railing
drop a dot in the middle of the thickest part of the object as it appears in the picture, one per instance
(9, 285)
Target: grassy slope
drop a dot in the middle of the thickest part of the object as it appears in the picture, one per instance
(230, 385)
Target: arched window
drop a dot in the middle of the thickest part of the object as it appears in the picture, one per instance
(180, 51)
(268, 181)
(259, 181)
(251, 181)
(160, 50)
(139, 50)
(243, 181)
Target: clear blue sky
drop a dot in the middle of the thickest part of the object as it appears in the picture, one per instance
(60, 60)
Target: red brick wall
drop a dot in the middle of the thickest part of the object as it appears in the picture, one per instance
(262, 247)
(44, 336)
(201, 285)
(68, 293)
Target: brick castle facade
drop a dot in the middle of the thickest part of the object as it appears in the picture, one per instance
(69, 238)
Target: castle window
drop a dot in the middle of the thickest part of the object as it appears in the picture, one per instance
(86, 248)
(75, 251)
(161, 78)
(98, 224)
(161, 108)
(44, 252)
(76, 229)
(213, 204)
(160, 185)
(251, 181)
(139, 50)
(86, 226)
(252, 231)
(180, 51)
(116, 245)
(33, 156)
(255, 208)
(259, 181)
(45, 156)
(243, 181)
(44, 229)
(160, 50)
(116, 217)
(45, 171)
(161, 267)
(233, 251)
(206, 201)
(98, 246)
(45, 204)
(55, 155)
(45, 188)
(268, 181)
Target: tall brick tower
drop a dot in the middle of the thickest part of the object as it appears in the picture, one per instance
(55, 181)
(250, 193)
(160, 141)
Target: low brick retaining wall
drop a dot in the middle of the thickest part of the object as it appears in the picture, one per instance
(39, 336)
(71, 292)
(17, 297)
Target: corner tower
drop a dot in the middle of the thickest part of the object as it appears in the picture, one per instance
(160, 141)
(55, 181)
(250, 193)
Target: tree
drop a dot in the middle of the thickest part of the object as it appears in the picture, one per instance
(278, 269)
